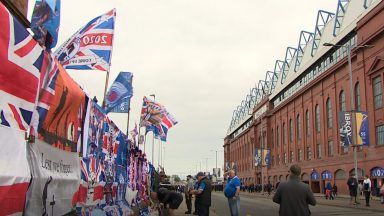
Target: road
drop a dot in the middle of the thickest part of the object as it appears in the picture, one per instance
(255, 206)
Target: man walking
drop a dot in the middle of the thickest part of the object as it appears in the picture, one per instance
(188, 195)
(231, 191)
(294, 195)
(367, 189)
(352, 186)
(203, 194)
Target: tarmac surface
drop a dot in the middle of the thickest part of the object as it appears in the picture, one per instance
(259, 204)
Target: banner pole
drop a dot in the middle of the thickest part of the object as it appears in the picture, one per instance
(129, 109)
(105, 87)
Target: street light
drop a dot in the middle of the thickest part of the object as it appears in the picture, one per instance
(353, 123)
(216, 159)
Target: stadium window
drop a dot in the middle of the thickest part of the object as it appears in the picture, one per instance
(342, 105)
(377, 92)
(380, 135)
(329, 113)
(291, 156)
(309, 153)
(317, 111)
(298, 127)
(272, 139)
(357, 96)
(307, 123)
(284, 133)
(300, 155)
(277, 136)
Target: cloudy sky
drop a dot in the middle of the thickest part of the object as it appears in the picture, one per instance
(199, 57)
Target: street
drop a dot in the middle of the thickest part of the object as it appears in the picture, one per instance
(251, 206)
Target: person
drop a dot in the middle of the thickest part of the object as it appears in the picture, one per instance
(367, 189)
(293, 195)
(328, 191)
(352, 186)
(195, 187)
(269, 188)
(382, 193)
(188, 195)
(334, 190)
(170, 198)
(231, 191)
(203, 194)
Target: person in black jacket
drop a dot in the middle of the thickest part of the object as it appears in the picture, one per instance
(170, 198)
(352, 186)
(203, 194)
(294, 195)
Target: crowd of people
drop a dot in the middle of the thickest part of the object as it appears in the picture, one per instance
(293, 195)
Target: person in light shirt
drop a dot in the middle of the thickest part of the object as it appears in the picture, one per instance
(367, 189)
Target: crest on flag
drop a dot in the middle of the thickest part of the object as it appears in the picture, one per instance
(90, 48)
(120, 93)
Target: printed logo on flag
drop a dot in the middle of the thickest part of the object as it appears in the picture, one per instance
(90, 48)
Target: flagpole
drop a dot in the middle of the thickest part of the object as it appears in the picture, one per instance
(129, 108)
(105, 87)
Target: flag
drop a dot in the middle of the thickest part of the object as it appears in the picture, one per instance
(120, 93)
(151, 112)
(156, 118)
(90, 48)
(21, 60)
(46, 21)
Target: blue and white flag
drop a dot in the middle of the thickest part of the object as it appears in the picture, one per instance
(119, 95)
(90, 48)
(46, 21)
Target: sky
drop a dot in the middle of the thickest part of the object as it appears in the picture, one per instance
(199, 57)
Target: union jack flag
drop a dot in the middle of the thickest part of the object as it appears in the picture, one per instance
(90, 48)
(21, 61)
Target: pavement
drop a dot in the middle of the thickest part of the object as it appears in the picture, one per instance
(339, 201)
(252, 203)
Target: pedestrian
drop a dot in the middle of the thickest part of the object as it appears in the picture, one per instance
(203, 194)
(171, 199)
(334, 190)
(195, 187)
(367, 189)
(231, 191)
(352, 186)
(293, 195)
(328, 191)
(382, 192)
(269, 188)
(188, 196)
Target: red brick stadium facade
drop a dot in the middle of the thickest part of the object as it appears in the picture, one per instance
(304, 129)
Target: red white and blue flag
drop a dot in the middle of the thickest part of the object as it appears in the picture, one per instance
(90, 48)
(156, 118)
(21, 59)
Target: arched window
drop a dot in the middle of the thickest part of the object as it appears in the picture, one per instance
(357, 96)
(317, 111)
(342, 105)
(340, 174)
(290, 130)
(307, 123)
(298, 127)
(329, 113)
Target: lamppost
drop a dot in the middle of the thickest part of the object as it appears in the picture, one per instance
(153, 136)
(216, 160)
(351, 89)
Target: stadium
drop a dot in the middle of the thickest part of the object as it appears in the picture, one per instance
(329, 84)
